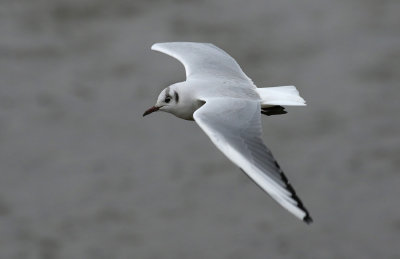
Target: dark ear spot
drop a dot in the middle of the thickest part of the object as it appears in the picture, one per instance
(176, 97)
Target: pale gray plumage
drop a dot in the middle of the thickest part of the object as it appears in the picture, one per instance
(202, 60)
(226, 104)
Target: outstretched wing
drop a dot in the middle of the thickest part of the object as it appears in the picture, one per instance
(234, 126)
(203, 60)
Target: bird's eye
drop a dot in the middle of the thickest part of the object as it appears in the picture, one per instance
(167, 99)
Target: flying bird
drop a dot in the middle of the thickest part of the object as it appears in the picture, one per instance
(227, 106)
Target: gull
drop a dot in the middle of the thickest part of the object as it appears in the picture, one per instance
(227, 106)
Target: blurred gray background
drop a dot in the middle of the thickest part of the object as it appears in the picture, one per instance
(83, 175)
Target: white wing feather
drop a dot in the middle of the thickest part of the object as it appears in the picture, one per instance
(203, 60)
(234, 126)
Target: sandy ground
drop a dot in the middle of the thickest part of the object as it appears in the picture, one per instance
(83, 175)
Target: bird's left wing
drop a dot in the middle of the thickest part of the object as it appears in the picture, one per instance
(234, 126)
(204, 61)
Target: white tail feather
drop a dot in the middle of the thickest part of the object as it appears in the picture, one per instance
(280, 95)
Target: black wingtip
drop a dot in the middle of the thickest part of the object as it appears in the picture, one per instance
(307, 219)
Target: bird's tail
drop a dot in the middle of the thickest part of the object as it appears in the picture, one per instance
(280, 95)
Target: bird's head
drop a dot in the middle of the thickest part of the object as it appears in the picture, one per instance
(167, 101)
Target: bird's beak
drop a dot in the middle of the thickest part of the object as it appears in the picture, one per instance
(151, 110)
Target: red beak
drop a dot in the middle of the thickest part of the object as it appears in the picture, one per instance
(151, 110)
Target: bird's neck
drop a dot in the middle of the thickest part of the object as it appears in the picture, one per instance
(188, 103)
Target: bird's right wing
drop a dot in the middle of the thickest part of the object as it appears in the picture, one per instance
(234, 126)
(204, 61)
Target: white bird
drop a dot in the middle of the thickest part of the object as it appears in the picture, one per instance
(227, 105)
